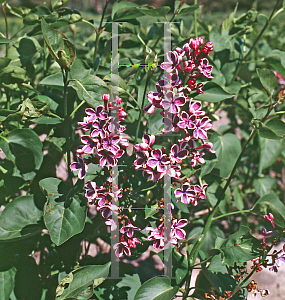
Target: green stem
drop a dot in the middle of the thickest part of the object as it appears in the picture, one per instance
(76, 108)
(272, 16)
(54, 115)
(237, 288)
(3, 138)
(6, 25)
(195, 19)
(66, 124)
(8, 98)
(149, 74)
(98, 32)
(231, 213)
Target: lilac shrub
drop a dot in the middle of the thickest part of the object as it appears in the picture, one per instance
(103, 138)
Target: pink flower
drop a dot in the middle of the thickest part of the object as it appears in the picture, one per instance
(112, 223)
(269, 218)
(185, 194)
(121, 248)
(176, 232)
(129, 229)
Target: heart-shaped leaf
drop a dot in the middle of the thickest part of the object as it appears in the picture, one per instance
(63, 217)
(20, 218)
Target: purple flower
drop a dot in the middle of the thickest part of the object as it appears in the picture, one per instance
(129, 229)
(156, 236)
(133, 241)
(277, 259)
(176, 232)
(185, 193)
(86, 125)
(108, 157)
(173, 104)
(112, 223)
(158, 160)
(205, 69)
(99, 129)
(266, 233)
(195, 109)
(148, 173)
(91, 190)
(187, 122)
(202, 125)
(174, 59)
(147, 142)
(177, 155)
(98, 113)
(170, 122)
(121, 248)
(269, 218)
(111, 143)
(196, 157)
(81, 166)
(142, 157)
(91, 144)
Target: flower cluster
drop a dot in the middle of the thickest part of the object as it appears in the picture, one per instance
(131, 241)
(103, 139)
(180, 114)
(155, 163)
(254, 289)
(191, 62)
(176, 233)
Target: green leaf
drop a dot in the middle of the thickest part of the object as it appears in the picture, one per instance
(268, 80)
(82, 279)
(25, 51)
(156, 288)
(217, 265)
(7, 279)
(4, 62)
(207, 280)
(79, 69)
(155, 124)
(227, 149)
(91, 88)
(150, 211)
(238, 247)
(46, 120)
(125, 11)
(187, 10)
(64, 217)
(24, 148)
(132, 282)
(153, 11)
(120, 5)
(57, 42)
(274, 129)
(19, 11)
(212, 93)
(276, 59)
(270, 203)
(4, 40)
(238, 198)
(264, 185)
(122, 83)
(270, 150)
(54, 80)
(13, 78)
(20, 218)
